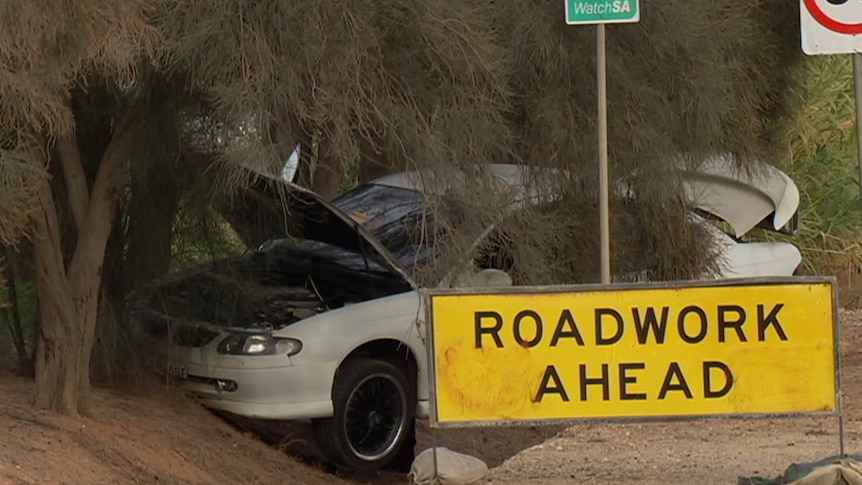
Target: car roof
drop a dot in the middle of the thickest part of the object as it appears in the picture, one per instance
(720, 186)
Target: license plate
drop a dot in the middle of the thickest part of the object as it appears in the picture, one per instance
(180, 371)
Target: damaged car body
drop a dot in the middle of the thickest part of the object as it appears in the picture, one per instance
(322, 319)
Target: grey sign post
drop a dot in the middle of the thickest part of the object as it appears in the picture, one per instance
(599, 13)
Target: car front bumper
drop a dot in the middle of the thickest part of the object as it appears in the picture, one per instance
(267, 387)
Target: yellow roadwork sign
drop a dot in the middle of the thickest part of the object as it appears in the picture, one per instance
(539, 354)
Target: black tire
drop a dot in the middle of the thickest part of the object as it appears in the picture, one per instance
(374, 405)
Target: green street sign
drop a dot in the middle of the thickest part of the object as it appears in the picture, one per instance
(602, 11)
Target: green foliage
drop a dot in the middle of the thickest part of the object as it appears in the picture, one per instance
(26, 304)
(201, 237)
(20, 325)
(822, 159)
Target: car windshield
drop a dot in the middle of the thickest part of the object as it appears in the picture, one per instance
(404, 221)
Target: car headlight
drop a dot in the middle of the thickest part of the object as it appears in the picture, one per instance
(258, 344)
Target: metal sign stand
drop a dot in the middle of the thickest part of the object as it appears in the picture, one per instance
(841, 423)
(599, 13)
(604, 196)
(434, 453)
(857, 81)
(839, 369)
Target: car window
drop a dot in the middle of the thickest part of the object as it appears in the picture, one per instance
(408, 224)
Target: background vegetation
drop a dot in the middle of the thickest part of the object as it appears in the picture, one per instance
(820, 155)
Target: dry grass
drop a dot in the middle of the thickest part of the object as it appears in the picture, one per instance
(822, 158)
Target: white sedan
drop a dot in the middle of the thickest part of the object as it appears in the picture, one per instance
(322, 320)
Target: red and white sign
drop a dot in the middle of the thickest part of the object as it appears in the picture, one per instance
(831, 26)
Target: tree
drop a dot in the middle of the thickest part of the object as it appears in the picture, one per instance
(53, 52)
(103, 100)
(421, 81)
(79, 83)
(690, 79)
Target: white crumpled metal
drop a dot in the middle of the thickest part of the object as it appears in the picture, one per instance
(453, 468)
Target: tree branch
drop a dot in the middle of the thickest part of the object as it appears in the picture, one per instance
(93, 235)
(47, 237)
(73, 171)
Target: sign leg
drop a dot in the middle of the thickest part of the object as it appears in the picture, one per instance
(857, 80)
(434, 453)
(841, 420)
(604, 205)
(839, 364)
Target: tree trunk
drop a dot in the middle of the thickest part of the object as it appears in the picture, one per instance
(69, 298)
(152, 210)
(56, 363)
(13, 318)
(58, 370)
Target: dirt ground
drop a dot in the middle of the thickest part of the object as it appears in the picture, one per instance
(151, 434)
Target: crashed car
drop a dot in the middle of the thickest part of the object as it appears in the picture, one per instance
(728, 201)
(322, 320)
(740, 201)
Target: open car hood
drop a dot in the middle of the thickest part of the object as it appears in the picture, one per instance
(762, 197)
(272, 209)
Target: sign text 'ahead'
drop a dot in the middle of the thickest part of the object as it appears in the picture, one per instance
(633, 352)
